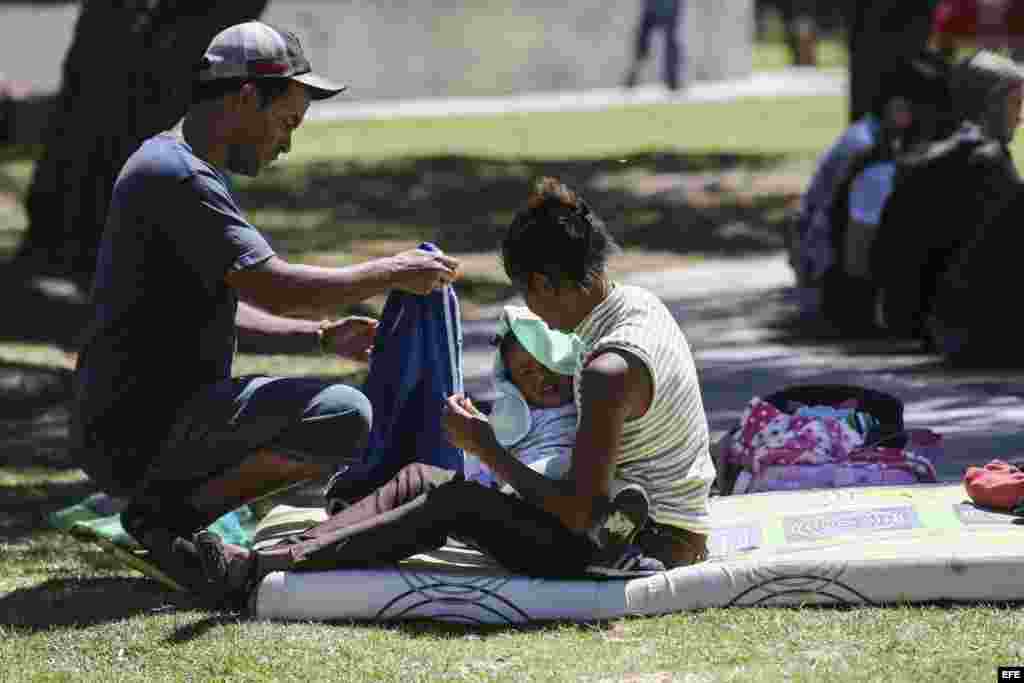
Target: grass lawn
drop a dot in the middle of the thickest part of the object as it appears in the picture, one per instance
(771, 55)
(667, 178)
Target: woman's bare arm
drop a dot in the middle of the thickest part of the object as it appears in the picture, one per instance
(615, 386)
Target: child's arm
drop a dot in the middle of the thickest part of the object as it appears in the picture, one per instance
(574, 499)
(616, 386)
(468, 428)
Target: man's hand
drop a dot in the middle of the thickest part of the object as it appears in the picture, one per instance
(421, 272)
(350, 337)
(466, 427)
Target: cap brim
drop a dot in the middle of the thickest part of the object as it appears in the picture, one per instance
(320, 87)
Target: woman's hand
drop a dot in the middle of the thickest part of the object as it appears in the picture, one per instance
(466, 427)
(350, 337)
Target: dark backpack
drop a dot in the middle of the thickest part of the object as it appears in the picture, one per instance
(886, 408)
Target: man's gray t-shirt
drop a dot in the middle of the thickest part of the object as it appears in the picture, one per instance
(164, 318)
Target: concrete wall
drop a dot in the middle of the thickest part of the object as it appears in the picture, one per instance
(493, 47)
(33, 40)
(401, 48)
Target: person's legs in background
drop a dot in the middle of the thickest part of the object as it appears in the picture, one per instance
(801, 31)
(641, 48)
(675, 58)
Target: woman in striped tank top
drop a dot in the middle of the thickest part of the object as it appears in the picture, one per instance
(641, 415)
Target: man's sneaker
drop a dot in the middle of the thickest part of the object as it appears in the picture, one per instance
(232, 573)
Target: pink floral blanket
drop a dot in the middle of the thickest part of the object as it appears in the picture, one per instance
(781, 451)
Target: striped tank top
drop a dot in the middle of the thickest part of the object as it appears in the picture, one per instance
(667, 449)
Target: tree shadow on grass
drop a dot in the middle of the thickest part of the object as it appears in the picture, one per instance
(24, 508)
(81, 603)
(29, 391)
(433, 629)
(196, 629)
(725, 204)
(33, 437)
(791, 328)
(665, 201)
(415, 628)
(41, 310)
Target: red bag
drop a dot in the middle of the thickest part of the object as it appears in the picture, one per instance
(997, 485)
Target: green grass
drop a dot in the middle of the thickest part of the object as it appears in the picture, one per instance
(459, 180)
(153, 643)
(793, 125)
(774, 55)
(68, 613)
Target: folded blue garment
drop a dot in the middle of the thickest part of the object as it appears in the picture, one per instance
(416, 365)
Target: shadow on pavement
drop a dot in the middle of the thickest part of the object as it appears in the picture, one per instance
(745, 347)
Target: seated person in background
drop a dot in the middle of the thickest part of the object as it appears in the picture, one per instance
(971, 24)
(916, 99)
(906, 109)
(808, 259)
(953, 23)
(534, 417)
(960, 323)
(945, 190)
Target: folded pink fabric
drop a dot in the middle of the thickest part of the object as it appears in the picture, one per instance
(780, 451)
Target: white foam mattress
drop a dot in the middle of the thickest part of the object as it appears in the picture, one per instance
(876, 545)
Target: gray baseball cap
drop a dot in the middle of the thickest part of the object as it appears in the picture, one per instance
(258, 50)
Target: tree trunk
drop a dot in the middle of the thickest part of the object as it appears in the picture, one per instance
(880, 32)
(126, 77)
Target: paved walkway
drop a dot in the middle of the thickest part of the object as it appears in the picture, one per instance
(791, 82)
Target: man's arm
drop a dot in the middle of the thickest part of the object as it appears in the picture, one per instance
(253, 320)
(280, 287)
